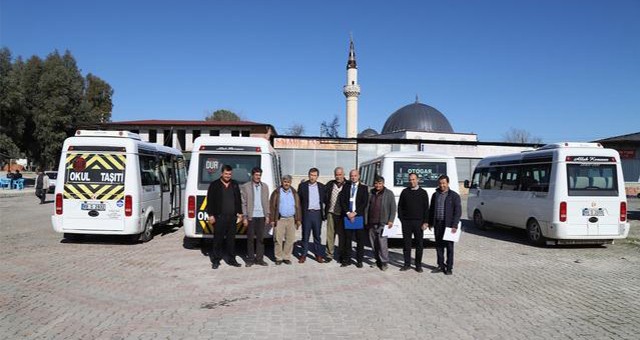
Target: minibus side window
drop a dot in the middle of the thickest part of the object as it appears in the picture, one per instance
(475, 180)
(148, 170)
(510, 180)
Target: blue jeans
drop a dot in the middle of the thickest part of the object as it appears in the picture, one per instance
(312, 220)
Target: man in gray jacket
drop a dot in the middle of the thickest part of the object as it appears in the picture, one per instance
(255, 209)
(380, 215)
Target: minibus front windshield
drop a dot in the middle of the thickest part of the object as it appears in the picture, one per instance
(210, 167)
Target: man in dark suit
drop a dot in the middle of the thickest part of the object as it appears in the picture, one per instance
(224, 206)
(312, 197)
(353, 202)
(445, 212)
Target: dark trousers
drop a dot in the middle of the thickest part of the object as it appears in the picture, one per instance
(360, 235)
(224, 231)
(312, 221)
(412, 228)
(441, 245)
(255, 239)
(338, 225)
(41, 194)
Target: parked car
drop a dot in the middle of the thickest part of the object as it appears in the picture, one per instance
(53, 176)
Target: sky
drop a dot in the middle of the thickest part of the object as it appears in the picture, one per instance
(563, 70)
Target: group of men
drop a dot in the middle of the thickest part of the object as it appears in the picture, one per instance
(351, 210)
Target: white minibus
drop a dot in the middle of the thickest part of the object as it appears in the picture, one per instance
(396, 166)
(561, 193)
(112, 183)
(207, 158)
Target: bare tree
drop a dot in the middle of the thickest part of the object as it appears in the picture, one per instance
(521, 136)
(330, 129)
(296, 129)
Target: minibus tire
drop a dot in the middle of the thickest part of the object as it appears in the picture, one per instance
(147, 233)
(534, 233)
(479, 221)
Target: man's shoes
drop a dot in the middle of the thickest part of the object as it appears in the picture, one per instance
(234, 263)
(328, 259)
(405, 268)
(448, 272)
(278, 262)
(262, 263)
(419, 269)
(248, 264)
(345, 264)
(286, 261)
(319, 259)
(302, 259)
(359, 264)
(215, 265)
(384, 267)
(439, 269)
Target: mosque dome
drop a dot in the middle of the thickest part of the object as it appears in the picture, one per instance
(367, 133)
(417, 117)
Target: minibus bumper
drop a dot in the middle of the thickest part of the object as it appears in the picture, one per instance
(565, 233)
(132, 226)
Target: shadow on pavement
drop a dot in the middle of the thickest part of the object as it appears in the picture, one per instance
(158, 231)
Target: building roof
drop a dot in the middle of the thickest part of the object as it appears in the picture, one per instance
(187, 123)
(417, 117)
(192, 123)
(632, 137)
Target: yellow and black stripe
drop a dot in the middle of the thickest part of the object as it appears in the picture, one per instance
(99, 161)
(96, 190)
(103, 192)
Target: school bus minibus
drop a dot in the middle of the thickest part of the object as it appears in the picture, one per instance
(207, 158)
(112, 183)
(560, 193)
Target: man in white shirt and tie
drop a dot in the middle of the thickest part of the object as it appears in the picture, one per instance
(353, 201)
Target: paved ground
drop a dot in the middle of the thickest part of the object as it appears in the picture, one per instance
(501, 288)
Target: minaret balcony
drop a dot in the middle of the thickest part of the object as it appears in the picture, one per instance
(351, 90)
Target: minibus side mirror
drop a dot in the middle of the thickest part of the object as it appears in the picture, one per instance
(466, 183)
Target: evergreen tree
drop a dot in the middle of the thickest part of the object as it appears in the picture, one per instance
(223, 116)
(98, 104)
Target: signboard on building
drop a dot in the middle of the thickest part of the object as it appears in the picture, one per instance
(627, 154)
(314, 144)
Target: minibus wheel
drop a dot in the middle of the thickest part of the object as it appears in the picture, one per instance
(147, 233)
(479, 221)
(534, 233)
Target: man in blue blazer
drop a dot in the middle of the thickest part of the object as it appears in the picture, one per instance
(312, 197)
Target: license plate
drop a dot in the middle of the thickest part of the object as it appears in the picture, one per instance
(592, 212)
(94, 206)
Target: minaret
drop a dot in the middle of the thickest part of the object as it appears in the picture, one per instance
(352, 91)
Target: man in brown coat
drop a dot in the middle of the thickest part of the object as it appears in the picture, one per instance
(285, 219)
(255, 210)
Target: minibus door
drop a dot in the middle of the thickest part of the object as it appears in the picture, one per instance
(166, 186)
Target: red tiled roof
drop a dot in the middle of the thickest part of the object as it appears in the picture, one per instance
(188, 123)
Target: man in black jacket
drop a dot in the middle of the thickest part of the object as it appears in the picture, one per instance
(353, 202)
(445, 212)
(413, 212)
(312, 197)
(224, 206)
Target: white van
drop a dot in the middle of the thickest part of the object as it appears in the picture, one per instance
(561, 193)
(396, 166)
(113, 183)
(208, 156)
